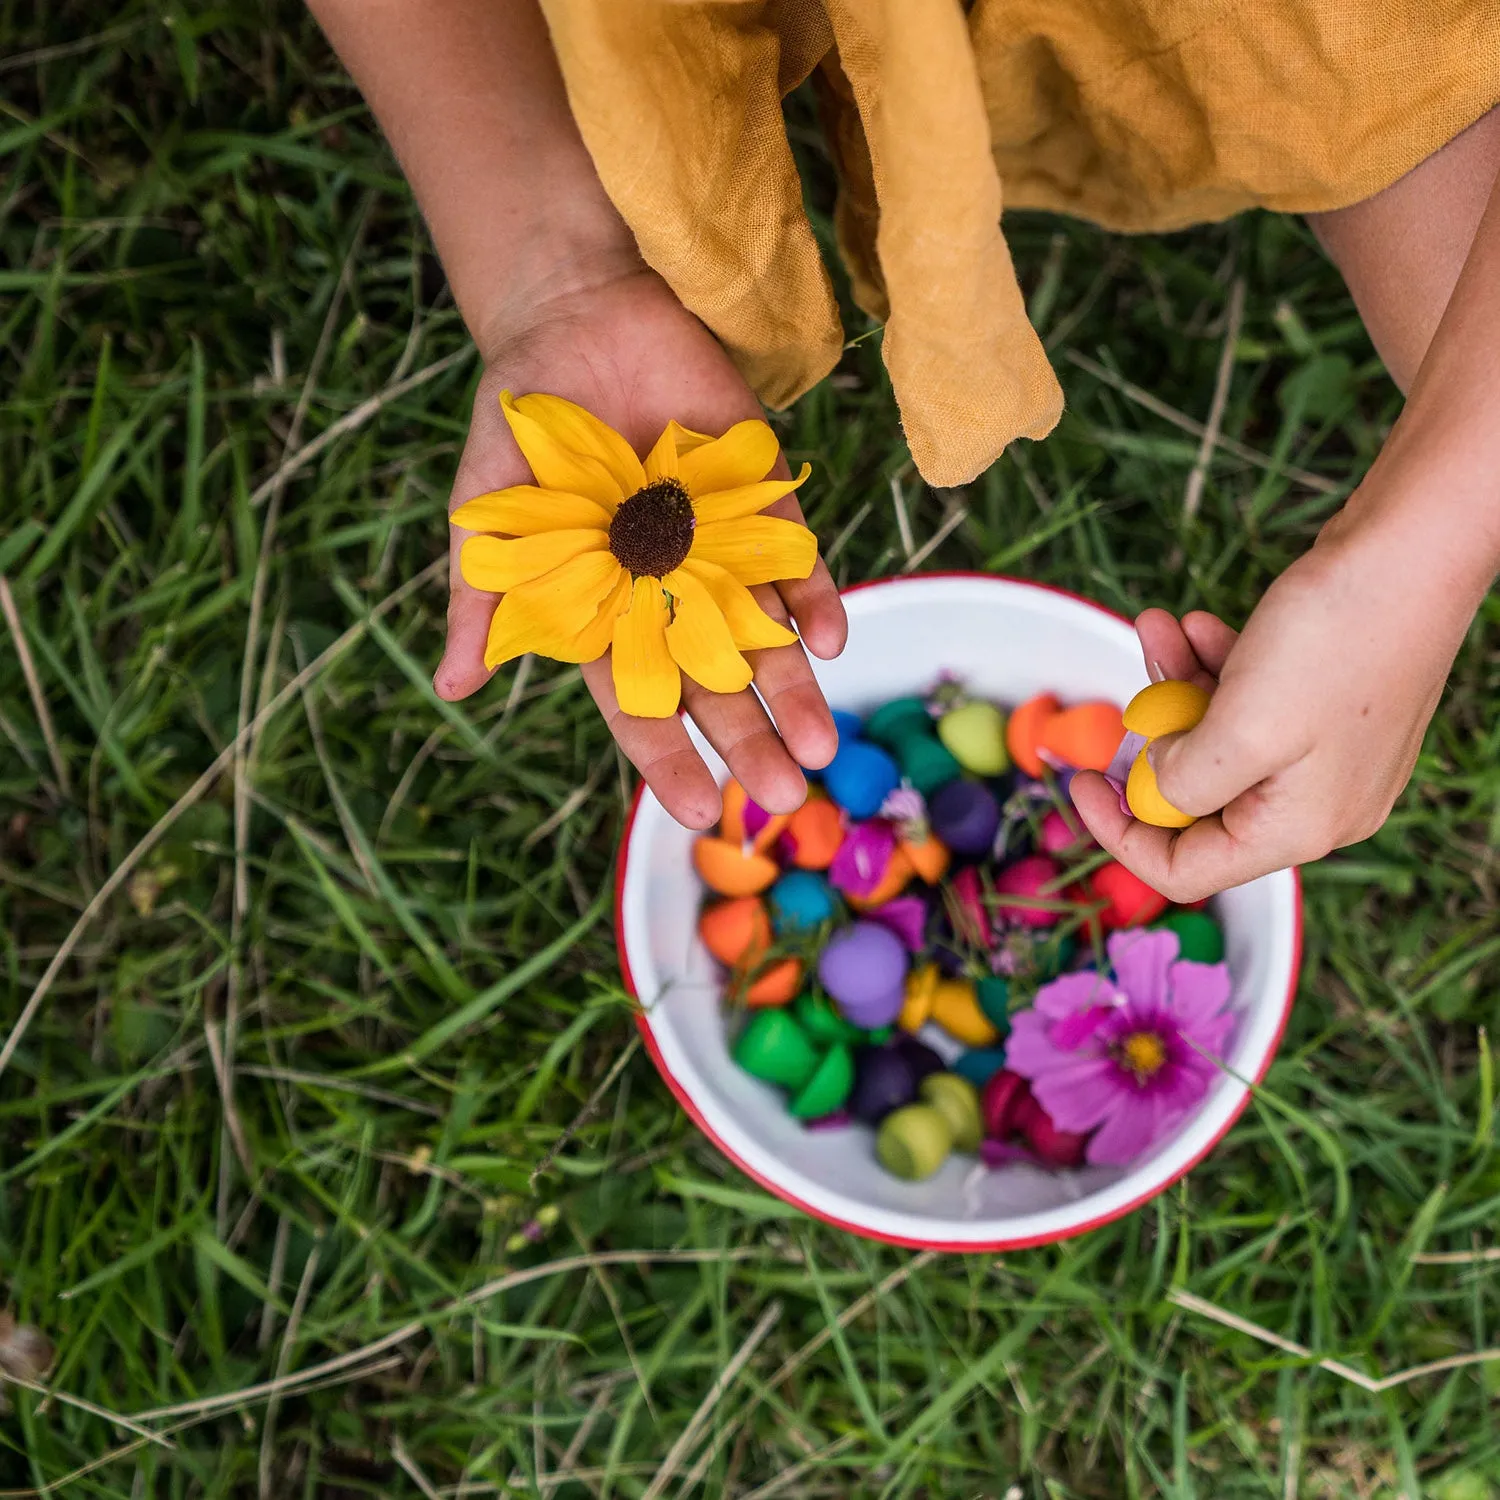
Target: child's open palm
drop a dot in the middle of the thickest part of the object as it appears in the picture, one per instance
(629, 352)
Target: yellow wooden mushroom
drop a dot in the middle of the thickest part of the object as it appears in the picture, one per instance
(1163, 708)
(952, 1003)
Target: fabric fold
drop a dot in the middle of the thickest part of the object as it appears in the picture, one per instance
(1146, 115)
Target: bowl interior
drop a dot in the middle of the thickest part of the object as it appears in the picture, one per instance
(1007, 640)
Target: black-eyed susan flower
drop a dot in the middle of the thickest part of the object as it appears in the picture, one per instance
(654, 559)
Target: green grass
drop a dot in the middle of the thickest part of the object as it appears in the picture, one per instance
(209, 260)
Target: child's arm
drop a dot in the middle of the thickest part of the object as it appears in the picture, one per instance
(551, 285)
(1322, 702)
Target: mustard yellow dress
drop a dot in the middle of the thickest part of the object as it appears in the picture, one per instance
(1134, 114)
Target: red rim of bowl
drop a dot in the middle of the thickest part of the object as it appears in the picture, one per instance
(910, 1242)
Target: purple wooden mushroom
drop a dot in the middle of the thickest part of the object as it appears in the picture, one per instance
(965, 816)
(884, 1079)
(923, 1059)
(863, 968)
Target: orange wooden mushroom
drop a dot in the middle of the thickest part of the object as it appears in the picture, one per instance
(814, 833)
(731, 870)
(1085, 736)
(776, 984)
(1024, 728)
(928, 857)
(737, 930)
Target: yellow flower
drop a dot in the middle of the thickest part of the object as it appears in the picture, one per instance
(653, 559)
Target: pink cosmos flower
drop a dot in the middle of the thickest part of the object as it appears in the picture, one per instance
(1122, 1057)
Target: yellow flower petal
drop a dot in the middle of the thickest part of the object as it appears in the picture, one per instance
(743, 455)
(526, 509)
(513, 633)
(647, 681)
(594, 639)
(555, 464)
(581, 432)
(686, 439)
(565, 599)
(730, 505)
(758, 549)
(661, 461)
(700, 641)
(751, 627)
(551, 614)
(486, 562)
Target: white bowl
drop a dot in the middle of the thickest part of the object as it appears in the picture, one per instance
(1008, 640)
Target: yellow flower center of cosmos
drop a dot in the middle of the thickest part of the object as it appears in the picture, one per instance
(1143, 1053)
(652, 531)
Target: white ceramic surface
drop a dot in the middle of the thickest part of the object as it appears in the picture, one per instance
(1008, 640)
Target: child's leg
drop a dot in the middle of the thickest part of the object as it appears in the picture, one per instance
(1401, 251)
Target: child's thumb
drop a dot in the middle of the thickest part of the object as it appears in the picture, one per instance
(1205, 768)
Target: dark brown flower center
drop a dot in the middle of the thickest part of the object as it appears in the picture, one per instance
(652, 531)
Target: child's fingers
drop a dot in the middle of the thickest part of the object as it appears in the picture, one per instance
(1211, 639)
(461, 670)
(1184, 865)
(796, 703)
(819, 612)
(814, 601)
(766, 757)
(736, 725)
(661, 751)
(1235, 747)
(1168, 651)
(490, 461)
(784, 679)
(1137, 845)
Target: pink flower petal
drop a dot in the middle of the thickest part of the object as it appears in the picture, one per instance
(1132, 1017)
(1074, 992)
(1213, 1036)
(1081, 1095)
(1029, 1050)
(1177, 1090)
(1197, 992)
(1127, 1133)
(1073, 1032)
(1141, 958)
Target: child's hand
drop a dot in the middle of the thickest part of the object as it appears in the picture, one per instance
(1316, 720)
(626, 349)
